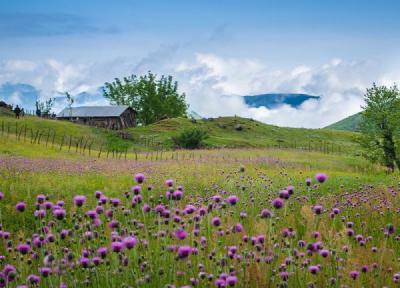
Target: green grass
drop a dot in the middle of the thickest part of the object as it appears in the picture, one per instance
(254, 170)
(350, 123)
(266, 171)
(223, 133)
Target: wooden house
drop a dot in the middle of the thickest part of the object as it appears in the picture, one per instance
(111, 117)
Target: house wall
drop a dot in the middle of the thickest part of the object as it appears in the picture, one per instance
(126, 120)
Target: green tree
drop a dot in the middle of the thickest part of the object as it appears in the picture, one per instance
(43, 109)
(153, 98)
(380, 125)
(70, 101)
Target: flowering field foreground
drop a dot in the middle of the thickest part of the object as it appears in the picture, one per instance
(183, 224)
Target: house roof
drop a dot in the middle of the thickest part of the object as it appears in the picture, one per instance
(93, 111)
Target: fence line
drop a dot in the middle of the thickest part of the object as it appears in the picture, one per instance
(87, 145)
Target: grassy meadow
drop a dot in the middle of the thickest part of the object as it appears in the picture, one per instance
(239, 217)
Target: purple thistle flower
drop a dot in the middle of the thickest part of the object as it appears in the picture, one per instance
(177, 195)
(84, 262)
(117, 246)
(48, 205)
(45, 271)
(324, 253)
(184, 251)
(40, 198)
(115, 202)
(317, 209)
(79, 200)
(265, 213)
(113, 224)
(59, 213)
(308, 181)
(64, 233)
(8, 269)
(96, 261)
(190, 209)
(1, 195)
(284, 194)
(146, 208)
(396, 278)
(278, 203)
(20, 206)
(290, 189)
(33, 279)
(23, 248)
(216, 198)
(233, 199)
(60, 203)
(238, 227)
(313, 269)
(216, 221)
(92, 214)
(202, 211)
(136, 189)
(102, 252)
(130, 242)
(321, 177)
(231, 280)
(354, 274)
(284, 275)
(139, 177)
(180, 234)
(220, 283)
(169, 182)
(40, 213)
(98, 194)
(103, 199)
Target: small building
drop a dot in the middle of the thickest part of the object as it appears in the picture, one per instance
(111, 117)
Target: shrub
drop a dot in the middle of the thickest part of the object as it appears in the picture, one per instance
(238, 127)
(190, 139)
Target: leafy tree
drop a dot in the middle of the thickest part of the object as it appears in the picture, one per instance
(43, 109)
(70, 101)
(380, 125)
(190, 139)
(153, 98)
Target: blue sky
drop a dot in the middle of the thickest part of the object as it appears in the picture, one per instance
(216, 49)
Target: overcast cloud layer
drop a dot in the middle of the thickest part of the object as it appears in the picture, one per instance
(213, 84)
(217, 50)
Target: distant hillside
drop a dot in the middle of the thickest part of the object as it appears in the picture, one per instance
(350, 123)
(232, 132)
(241, 132)
(276, 99)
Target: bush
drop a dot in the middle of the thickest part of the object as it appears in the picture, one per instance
(190, 139)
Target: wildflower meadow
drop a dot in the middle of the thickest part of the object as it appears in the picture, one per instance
(257, 218)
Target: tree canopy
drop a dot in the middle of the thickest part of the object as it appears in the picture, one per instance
(380, 125)
(153, 98)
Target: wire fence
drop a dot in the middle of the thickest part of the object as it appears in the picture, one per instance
(143, 147)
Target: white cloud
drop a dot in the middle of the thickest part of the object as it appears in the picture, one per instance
(209, 80)
(212, 83)
(15, 98)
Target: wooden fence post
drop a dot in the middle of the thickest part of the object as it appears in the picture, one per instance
(101, 147)
(70, 142)
(25, 133)
(62, 142)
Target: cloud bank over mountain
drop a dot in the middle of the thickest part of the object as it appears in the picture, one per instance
(213, 84)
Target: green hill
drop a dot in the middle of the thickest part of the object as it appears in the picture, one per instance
(241, 132)
(230, 132)
(350, 123)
